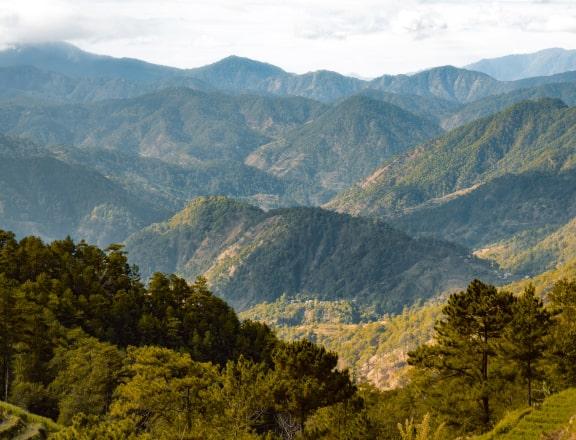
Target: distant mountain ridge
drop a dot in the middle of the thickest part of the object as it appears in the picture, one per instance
(514, 67)
(242, 75)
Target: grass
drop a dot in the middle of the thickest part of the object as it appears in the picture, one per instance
(28, 418)
(532, 424)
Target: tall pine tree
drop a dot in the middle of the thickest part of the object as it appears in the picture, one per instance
(525, 337)
(467, 339)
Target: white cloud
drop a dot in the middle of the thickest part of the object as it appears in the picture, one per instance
(370, 37)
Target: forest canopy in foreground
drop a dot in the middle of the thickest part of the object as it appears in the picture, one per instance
(85, 343)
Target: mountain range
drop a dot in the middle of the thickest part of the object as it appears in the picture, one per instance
(436, 165)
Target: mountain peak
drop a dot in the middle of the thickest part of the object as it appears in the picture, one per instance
(236, 65)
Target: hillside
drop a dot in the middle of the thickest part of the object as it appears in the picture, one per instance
(519, 66)
(374, 347)
(533, 253)
(511, 205)
(446, 82)
(342, 145)
(178, 125)
(18, 424)
(432, 108)
(71, 61)
(251, 256)
(48, 197)
(530, 136)
(494, 104)
(553, 420)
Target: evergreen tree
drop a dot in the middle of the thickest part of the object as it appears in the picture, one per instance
(563, 340)
(467, 340)
(12, 313)
(525, 337)
(307, 379)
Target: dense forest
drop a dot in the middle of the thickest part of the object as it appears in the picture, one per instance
(85, 343)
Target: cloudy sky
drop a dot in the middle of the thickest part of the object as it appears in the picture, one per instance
(362, 37)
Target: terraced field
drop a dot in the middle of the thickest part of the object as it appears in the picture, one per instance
(547, 422)
(17, 424)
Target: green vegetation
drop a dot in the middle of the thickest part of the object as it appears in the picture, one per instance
(526, 137)
(343, 145)
(52, 198)
(525, 424)
(535, 252)
(250, 256)
(82, 341)
(16, 423)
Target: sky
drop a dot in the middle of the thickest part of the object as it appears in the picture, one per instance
(365, 38)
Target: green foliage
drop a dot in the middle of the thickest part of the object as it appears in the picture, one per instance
(88, 372)
(555, 412)
(525, 337)
(464, 359)
(343, 145)
(421, 431)
(563, 351)
(250, 256)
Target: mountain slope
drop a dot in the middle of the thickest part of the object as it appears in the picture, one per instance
(446, 82)
(494, 104)
(432, 108)
(531, 254)
(514, 205)
(513, 67)
(250, 255)
(44, 196)
(71, 61)
(527, 137)
(176, 125)
(342, 145)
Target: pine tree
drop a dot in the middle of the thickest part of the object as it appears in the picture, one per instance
(525, 337)
(563, 345)
(11, 330)
(467, 339)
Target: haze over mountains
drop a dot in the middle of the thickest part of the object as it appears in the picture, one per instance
(445, 162)
(513, 67)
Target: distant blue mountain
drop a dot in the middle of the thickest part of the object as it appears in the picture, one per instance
(513, 67)
(69, 60)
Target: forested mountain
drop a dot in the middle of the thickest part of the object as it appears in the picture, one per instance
(250, 255)
(343, 145)
(541, 63)
(178, 125)
(45, 196)
(435, 109)
(530, 136)
(121, 77)
(494, 104)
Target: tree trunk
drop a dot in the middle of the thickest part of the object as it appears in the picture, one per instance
(529, 383)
